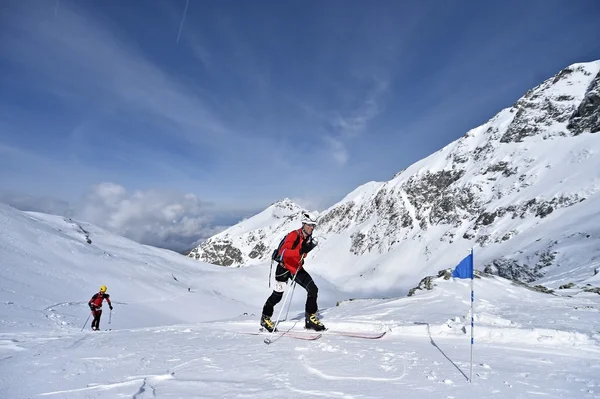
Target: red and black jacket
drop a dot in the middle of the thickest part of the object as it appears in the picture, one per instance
(96, 301)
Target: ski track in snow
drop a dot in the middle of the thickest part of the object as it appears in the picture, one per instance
(322, 374)
(215, 360)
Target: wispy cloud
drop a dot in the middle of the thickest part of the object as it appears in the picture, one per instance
(356, 121)
(348, 125)
(187, 3)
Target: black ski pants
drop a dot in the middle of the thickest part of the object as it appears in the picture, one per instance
(97, 315)
(304, 280)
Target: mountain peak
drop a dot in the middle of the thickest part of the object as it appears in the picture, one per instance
(251, 240)
(284, 207)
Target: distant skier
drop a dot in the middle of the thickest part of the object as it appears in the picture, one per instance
(296, 245)
(95, 305)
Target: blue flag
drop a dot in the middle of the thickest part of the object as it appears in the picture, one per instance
(465, 268)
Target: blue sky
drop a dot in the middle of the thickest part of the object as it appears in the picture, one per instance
(117, 112)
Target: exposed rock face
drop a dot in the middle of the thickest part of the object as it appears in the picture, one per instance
(587, 115)
(221, 253)
(427, 283)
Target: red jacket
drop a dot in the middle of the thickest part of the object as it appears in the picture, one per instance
(291, 256)
(97, 300)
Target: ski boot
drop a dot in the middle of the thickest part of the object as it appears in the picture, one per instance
(265, 322)
(312, 323)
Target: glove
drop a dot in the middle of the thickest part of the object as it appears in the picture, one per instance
(308, 246)
(92, 308)
(110, 306)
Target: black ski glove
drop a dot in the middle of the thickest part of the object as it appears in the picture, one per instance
(110, 306)
(308, 245)
(92, 307)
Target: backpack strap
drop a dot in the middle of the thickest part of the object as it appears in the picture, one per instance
(297, 240)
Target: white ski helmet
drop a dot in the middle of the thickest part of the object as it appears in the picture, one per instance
(309, 218)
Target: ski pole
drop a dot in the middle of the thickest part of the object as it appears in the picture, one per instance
(270, 270)
(86, 320)
(110, 316)
(269, 339)
(290, 303)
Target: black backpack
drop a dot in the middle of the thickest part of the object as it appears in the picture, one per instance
(275, 255)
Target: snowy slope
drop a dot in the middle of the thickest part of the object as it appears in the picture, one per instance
(166, 342)
(49, 272)
(522, 189)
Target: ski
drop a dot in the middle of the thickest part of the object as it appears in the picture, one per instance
(313, 335)
(307, 336)
(356, 334)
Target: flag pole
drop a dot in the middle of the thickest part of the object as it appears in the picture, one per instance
(463, 270)
(472, 316)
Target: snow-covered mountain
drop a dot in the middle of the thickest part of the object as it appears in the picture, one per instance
(521, 188)
(251, 240)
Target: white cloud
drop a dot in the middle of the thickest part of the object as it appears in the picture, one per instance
(162, 218)
(155, 217)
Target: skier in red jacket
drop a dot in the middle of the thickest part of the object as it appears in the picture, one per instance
(295, 246)
(95, 305)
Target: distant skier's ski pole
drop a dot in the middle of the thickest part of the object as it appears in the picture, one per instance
(86, 320)
(110, 316)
